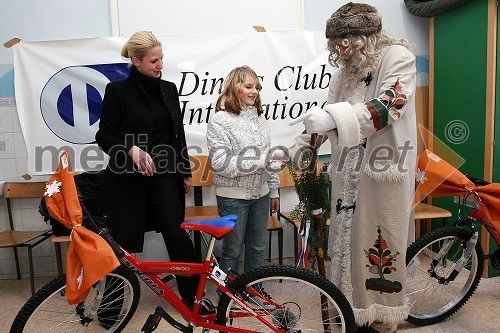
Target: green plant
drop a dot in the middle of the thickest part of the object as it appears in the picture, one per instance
(313, 190)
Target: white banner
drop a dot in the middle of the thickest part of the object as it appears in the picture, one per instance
(59, 86)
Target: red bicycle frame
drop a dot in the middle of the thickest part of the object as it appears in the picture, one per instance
(151, 271)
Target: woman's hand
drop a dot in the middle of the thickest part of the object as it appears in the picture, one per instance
(187, 185)
(275, 205)
(142, 161)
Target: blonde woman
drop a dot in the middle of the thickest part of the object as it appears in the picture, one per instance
(148, 172)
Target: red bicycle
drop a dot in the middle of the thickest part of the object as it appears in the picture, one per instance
(444, 266)
(269, 299)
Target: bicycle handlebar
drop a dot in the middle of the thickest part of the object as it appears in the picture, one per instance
(476, 181)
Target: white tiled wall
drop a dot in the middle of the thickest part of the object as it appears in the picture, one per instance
(13, 165)
(5, 120)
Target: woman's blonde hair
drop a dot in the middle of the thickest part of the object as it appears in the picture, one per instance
(139, 44)
(229, 99)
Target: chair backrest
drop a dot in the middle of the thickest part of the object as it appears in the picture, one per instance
(286, 179)
(202, 171)
(24, 190)
(21, 190)
(202, 176)
(25, 238)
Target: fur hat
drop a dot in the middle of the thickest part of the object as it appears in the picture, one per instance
(353, 19)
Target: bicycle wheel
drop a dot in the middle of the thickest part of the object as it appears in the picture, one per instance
(109, 306)
(306, 302)
(432, 297)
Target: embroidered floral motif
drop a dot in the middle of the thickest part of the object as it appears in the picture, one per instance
(381, 259)
(389, 103)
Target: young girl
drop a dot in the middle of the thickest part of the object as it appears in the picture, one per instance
(239, 140)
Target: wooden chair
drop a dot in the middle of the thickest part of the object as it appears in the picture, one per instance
(426, 212)
(16, 238)
(273, 224)
(57, 240)
(202, 176)
(286, 181)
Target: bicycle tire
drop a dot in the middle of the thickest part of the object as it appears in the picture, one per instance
(298, 290)
(431, 300)
(48, 309)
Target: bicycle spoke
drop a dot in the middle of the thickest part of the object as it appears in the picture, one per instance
(49, 311)
(308, 308)
(432, 294)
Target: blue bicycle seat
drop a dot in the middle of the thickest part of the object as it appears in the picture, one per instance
(217, 227)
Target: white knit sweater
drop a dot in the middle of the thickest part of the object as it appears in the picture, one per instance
(235, 144)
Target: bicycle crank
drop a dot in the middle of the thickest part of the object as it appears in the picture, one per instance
(155, 318)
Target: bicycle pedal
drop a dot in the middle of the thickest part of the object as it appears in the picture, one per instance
(151, 323)
(154, 319)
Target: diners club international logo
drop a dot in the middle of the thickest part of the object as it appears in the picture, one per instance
(71, 100)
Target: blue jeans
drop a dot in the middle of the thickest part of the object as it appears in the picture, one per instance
(250, 232)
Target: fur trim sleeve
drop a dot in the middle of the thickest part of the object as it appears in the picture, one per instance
(348, 130)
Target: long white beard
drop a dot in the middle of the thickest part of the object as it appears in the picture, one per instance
(351, 85)
(351, 82)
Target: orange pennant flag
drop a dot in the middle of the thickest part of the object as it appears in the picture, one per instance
(89, 257)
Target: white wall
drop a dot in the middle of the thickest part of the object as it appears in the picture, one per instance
(33, 20)
(194, 16)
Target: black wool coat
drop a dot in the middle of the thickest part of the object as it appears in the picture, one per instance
(126, 120)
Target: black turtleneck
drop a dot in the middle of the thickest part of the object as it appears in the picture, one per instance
(162, 121)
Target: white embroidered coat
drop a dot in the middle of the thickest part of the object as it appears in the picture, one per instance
(373, 167)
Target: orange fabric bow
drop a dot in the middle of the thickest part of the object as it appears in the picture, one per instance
(437, 178)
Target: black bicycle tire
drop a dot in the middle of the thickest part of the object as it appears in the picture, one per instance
(59, 283)
(422, 243)
(293, 272)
